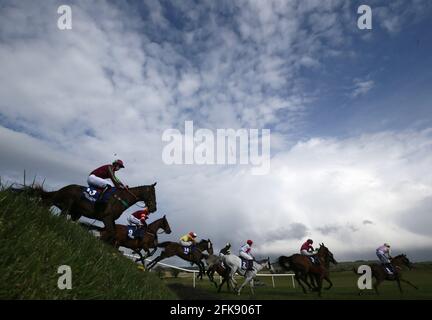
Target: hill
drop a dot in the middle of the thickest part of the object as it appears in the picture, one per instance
(34, 243)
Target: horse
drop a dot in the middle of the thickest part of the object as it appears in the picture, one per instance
(70, 200)
(380, 275)
(215, 265)
(176, 249)
(149, 241)
(233, 262)
(302, 267)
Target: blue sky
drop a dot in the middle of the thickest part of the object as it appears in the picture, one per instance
(349, 112)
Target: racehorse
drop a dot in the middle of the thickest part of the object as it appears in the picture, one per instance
(302, 267)
(215, 265)
(176, 249)
(70, 200)
(379, 273)
(233, 262)
(149, 241)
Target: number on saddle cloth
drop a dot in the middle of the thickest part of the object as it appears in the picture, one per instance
(134, 232)
(93, 194)
(186, 250)
(246, 264)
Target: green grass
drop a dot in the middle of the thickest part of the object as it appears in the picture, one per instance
(344, 288)
(34, 243)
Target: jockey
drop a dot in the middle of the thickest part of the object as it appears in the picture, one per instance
(383, 253)
(245, 253)
(307, 250)
(138, 219)
(188, 239)
(97, 177)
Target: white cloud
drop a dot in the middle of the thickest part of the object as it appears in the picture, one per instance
(73, 100)
(362, 87)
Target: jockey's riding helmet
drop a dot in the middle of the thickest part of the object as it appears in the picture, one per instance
(119, 163)
(249, 242)
(193, 234)
(309, 241)
(386, 245)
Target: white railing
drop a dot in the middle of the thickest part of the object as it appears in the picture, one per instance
(272, 275)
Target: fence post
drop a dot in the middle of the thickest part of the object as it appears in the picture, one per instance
(273, 281)
(194, 279)
(293, 282)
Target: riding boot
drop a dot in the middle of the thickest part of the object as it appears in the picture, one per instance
(250, 265)
(389, 267)
(103, 192)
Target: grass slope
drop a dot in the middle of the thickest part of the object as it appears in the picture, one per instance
(34, 243)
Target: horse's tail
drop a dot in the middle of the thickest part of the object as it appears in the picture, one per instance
(164, 244)
(285, 262)
(38, 191)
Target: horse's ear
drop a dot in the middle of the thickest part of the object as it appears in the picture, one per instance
(154, 184)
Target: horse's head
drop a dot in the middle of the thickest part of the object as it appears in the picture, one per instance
(149, 197)
(165, 225)
(206, 245)
(269, 265)
(403, 259)
(326, 253)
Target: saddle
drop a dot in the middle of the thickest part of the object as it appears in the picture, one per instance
(94, 194)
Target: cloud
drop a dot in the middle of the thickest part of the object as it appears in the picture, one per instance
(72, 100)
(362, 87)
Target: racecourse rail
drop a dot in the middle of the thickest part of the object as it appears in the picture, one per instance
(272, 275)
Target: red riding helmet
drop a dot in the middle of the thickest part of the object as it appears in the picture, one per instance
(249, 242)
(119, 163)
(193, 234)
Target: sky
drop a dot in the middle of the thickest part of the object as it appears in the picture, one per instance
(349, 113)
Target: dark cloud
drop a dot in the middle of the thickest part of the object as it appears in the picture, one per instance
(293, 231)
(329, 229)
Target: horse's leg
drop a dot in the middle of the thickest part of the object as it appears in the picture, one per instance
(153, 263)
(376, 284)
(203, 269)
(329, 282)
(297, 277)
(210, 274)
(220, 286)
(109, 228)
(141, 258)
(151, 253)
(251, 284)
(231, 280)
(399, 284)
(247, 280)
(406, 281)
(320, 281)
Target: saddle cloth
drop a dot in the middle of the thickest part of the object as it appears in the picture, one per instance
(92, 194)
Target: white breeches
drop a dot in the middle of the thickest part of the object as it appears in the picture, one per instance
(307, 253)
(246, 256)
(132, 220)
(95, 181)
(186, 243)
